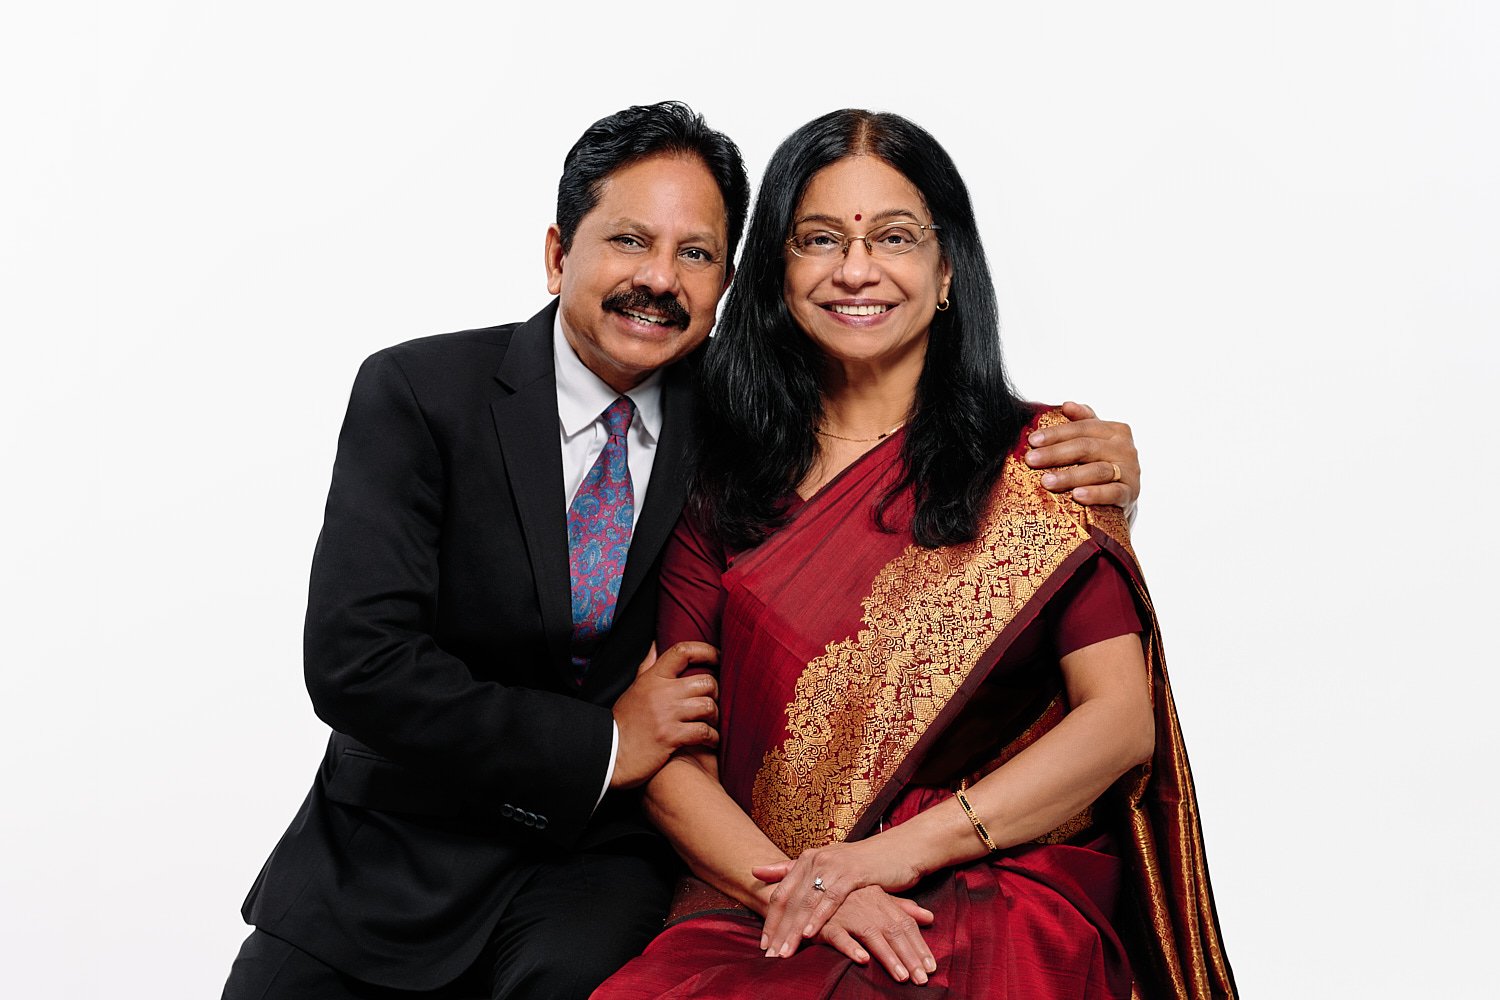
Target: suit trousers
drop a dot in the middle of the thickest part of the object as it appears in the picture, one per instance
(575, 921)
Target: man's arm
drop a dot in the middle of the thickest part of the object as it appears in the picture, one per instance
(1095, 459)
(373, 667)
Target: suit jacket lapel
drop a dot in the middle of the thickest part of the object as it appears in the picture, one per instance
(526, 424)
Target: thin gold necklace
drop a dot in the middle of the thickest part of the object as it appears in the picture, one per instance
(877, 437)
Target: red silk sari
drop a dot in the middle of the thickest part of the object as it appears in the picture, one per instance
(862, 676)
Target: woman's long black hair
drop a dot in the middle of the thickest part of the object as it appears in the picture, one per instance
(762, 376)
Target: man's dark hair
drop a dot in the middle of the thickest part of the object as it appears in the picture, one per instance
(762, 375)
(639, 132)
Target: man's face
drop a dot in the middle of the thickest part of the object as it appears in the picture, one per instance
(648, 265)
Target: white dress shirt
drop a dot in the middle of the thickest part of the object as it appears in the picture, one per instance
(582, 398)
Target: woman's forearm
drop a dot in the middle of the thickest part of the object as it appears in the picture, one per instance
(1033, 794)
(719, 842)
(1108, 731)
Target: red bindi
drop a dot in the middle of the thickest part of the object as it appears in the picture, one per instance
(857, 216)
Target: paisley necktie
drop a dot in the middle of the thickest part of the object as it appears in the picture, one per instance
(599, 525)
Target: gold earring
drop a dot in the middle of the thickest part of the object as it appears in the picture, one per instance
(942, 306)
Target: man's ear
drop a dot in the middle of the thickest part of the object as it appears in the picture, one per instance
(554, 256)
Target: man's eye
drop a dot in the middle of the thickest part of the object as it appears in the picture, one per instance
(698, 256)
(631, 244)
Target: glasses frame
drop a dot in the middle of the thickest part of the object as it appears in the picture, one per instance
(848, 241)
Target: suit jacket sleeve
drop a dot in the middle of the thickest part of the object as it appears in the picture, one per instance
(375, 671)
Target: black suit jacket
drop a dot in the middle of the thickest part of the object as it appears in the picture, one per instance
(436, 647)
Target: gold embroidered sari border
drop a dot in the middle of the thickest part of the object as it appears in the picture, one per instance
(932, 625)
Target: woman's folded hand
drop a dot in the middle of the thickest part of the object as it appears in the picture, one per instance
(811, 889)
(873, 922)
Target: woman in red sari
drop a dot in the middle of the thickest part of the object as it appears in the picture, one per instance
(949, 755)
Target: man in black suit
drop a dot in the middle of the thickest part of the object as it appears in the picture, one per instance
(472, 831)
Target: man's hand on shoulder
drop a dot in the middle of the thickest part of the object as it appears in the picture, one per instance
(1095, 459)
(663, 711)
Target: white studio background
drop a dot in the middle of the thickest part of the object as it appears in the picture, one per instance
(1262, 233)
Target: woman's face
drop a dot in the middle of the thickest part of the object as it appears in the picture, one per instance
(860, 308)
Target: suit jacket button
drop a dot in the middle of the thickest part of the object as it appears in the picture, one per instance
(531, 819)
(541, 822)
(508, 811)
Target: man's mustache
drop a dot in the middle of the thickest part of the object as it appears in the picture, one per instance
(640, 300)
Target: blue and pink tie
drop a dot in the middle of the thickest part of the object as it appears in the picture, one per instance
(600, 520)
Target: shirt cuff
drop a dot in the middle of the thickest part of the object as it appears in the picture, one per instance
(614, 749)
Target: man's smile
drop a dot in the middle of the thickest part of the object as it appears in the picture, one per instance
(640, 305)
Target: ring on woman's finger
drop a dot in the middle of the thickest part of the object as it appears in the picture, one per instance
(818, 884)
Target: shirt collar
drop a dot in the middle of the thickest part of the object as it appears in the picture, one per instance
(582, 395)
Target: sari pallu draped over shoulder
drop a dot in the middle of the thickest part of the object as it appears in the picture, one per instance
(822, 740)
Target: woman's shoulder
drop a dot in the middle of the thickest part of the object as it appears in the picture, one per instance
(1021, 489)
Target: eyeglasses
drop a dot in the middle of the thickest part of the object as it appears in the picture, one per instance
(887, 241)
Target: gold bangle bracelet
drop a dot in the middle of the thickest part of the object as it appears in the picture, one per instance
(963, 800)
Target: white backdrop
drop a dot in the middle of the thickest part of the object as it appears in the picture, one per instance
(1264, 234)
